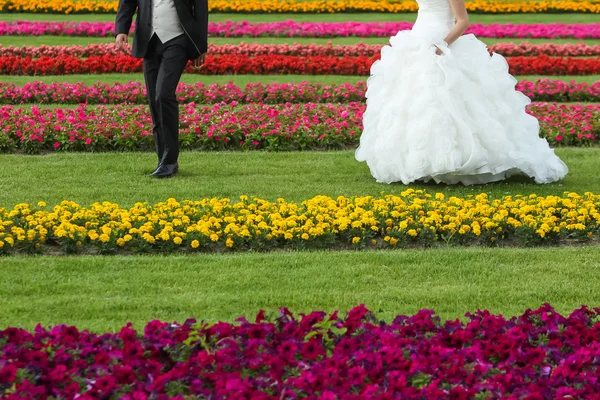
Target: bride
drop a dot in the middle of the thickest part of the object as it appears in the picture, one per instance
(439, 107)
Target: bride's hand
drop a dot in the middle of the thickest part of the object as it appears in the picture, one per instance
(441, 48)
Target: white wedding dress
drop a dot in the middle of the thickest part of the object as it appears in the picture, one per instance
(453, 118)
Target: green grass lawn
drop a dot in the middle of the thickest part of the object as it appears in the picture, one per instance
(238, 79)
(542, 18)
(297, 176)
(104, 293)
(84, 41)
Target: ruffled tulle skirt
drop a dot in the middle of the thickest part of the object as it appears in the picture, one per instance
(453, 118)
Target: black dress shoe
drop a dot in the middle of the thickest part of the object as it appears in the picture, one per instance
(166, 171)
(152, 173)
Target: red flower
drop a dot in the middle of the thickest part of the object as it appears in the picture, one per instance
(312, 349)
(125, 374)
(260, 317)
(106, 384)
(102, 358)
(8, 373)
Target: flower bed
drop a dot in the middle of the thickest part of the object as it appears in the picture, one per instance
(550, 49)
(284, 127)
(538, 355)
(414, 218)
(310, 29)
(559, 91)
(255, 92)
(268, 65)
(302, 6)
(256, 49)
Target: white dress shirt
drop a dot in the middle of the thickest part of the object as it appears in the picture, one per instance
(165, 21)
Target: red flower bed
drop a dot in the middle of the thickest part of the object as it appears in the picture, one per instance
(296, 49)
(538, 355)
(545, 65)
(271, 64)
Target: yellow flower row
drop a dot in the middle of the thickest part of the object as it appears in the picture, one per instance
(304, 6)
(251, 223)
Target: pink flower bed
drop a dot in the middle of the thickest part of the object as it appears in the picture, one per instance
(282, 127)
(255, 49)
(563, 124)
(272, 93)
(309, 29)
(538, 355)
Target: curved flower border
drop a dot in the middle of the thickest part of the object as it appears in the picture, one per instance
(256, 49)
(540, 354)
(254, 92)
(301, 6)
(282, 127)
(415, 217)
(309, 29)
(228, 64)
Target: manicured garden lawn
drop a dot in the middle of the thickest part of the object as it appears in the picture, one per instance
(104, 293)
(87, 178)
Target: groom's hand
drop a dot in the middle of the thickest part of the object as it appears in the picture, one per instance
(121, 40)
(199, 62)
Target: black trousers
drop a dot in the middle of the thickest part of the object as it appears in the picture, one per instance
(163, 65)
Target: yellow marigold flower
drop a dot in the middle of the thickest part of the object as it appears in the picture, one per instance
(393, 241)
(148, 238)
(195, 244)
(41, 204)
(257, 219)
(541, 233)
(490, 225)
(229, 242)
(355, 240)
(177, 240)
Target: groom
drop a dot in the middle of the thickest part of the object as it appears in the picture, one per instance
(168, 33)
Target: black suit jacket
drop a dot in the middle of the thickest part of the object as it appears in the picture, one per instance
(193, 15)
